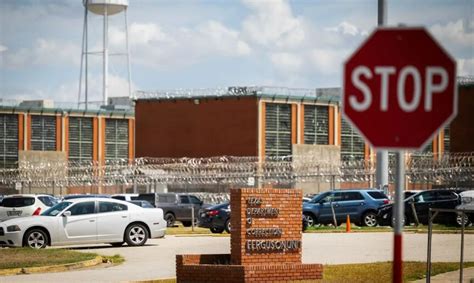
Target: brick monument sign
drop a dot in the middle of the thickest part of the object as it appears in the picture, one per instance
(265, 242)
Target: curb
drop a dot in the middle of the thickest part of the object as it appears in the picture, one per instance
(201, 235)
(52, 268)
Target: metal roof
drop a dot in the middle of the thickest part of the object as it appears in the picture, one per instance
(18, 106)
(329, 95)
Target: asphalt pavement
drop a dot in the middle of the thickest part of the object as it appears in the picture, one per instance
(156, 260)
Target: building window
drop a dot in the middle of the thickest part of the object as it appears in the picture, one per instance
(80, 139)
(316, 124)
(116, 139)
(277, 129)
(447, 139)
(8, 141)
(352, 144)
(43, 133)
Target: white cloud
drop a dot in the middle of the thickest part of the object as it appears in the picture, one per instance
(44, 52)
(67, 92)
(328, 61)
(457, 36)
(297, 49)
(3, 48)
(223, 39)
(347, 28)
(287, 62)
(118, 86)
(273, 24)
(155, 46)
(465, 67)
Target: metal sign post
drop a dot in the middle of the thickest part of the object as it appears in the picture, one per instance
(399, 218)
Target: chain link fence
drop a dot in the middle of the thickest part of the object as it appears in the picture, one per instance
(448, 170)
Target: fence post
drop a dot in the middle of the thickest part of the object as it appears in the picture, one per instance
(192, 218)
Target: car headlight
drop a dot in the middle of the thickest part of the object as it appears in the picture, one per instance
(13, 228)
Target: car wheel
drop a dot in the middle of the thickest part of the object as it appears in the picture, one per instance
(310, 219)
(216, 230)
(459, 220)
(118, 244)
(36, 239)
(136, 235)
(405, 221)
(369, 219)
(170, 219)
(189, 223)
(227, 226)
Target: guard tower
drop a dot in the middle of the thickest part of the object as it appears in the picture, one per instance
(104, 8)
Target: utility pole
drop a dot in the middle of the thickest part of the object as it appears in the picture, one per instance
(381, 171)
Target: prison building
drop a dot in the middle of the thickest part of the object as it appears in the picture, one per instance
(251, 121)
(94, 135)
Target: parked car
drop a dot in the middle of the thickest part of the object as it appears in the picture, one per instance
(141, 203)
(467, 203)
(85, 221)
(306, 199)
(216, 218)
(305, 223)
(75, 196)
(422, 202)
(176, 206)
(25, 205)
(361, 206)
(407, 194)
(125, 197)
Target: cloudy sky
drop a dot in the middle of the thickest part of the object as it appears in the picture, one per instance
(208, 43)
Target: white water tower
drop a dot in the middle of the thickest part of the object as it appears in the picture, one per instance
(104, 8)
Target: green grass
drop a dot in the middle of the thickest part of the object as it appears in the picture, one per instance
(372, 272)
(181, 230)
(26, 257)
(381, 271)
(114, 259)
(437, 228)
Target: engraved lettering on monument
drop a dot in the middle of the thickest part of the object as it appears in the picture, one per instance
(255, 211)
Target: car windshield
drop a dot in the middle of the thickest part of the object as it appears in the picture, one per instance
(48, 201)
(319, 197)
(55, 210)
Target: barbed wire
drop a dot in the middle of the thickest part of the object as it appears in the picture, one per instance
(234, 171)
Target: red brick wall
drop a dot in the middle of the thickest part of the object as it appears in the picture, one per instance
(181, 128)
(288, 201)
(188, 269)
(244, 265)
(462, 127)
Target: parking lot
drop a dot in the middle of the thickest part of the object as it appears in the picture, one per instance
(157, 259)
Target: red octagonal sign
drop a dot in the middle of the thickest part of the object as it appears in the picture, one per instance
(399, 88)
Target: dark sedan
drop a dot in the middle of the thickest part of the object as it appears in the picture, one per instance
(216, 218)
(418, 205)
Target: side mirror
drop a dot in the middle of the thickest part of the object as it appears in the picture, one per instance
(66, 213)
(201, 202)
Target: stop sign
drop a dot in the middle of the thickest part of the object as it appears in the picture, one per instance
(399, 88)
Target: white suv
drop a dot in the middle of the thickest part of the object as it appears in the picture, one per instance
(125, 197)
(25, 205)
